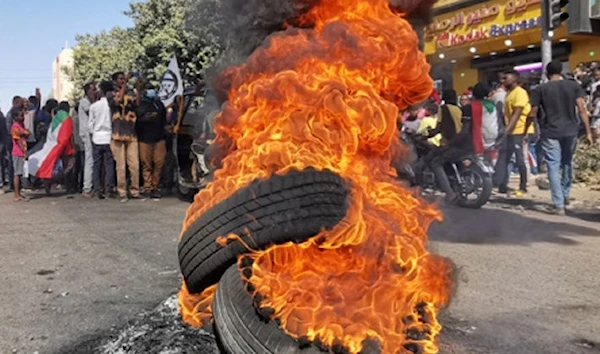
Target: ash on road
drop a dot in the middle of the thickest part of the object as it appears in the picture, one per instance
(75, 272)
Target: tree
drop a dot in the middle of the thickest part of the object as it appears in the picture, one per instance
(98, 56)
(159, 31)
(160, 26)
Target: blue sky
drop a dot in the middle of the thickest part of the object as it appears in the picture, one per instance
(33, 32)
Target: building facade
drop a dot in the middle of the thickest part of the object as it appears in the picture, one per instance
(470, 41)
(62, 85)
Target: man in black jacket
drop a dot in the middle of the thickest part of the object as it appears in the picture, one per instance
(150, 126)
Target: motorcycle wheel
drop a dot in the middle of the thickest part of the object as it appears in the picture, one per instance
(186, 194)
(477, 182)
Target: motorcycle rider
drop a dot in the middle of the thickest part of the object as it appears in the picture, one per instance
(468, 140)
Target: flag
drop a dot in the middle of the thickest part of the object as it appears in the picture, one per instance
(43, 158)
(171, 84)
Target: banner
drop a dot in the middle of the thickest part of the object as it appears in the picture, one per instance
(171, 84)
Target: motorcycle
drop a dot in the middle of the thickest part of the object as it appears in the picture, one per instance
(470, 176)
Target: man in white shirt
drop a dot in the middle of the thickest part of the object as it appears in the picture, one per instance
(100, 127)
(84, 133)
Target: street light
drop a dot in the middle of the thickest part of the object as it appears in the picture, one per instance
(556, 15)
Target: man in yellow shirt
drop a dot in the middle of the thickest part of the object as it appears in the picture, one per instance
(516, 110)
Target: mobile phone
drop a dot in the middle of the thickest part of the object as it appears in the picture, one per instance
(136, 74)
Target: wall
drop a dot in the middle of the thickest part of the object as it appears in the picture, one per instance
(581, 48)
(463, 76)
(62, 85)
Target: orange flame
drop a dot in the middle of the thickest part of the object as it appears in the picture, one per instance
(329, 97)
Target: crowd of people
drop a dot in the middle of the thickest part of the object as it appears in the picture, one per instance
(95, 148)
(513, 126)
(115, 131)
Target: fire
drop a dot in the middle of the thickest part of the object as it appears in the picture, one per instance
(328, 98)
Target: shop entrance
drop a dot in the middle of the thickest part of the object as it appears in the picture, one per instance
(531, 76)
(526, 62)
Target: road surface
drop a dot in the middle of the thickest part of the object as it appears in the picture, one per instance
(76, 270)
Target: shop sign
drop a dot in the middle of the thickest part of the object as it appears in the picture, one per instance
(451, 39)
(514, 6)
(477, 16)
(507, 30)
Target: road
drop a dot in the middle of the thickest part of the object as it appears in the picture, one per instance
(74, 270)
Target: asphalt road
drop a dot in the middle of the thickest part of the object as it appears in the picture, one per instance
(75, 270)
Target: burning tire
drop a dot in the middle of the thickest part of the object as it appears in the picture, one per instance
(293, 207)
(240, 330)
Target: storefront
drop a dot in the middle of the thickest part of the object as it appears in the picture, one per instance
(474, 43)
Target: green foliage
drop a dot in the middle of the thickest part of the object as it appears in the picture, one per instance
(587, 164)
(98, 56)
(160, 30)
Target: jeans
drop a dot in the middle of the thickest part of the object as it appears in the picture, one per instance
(103, 159)
(88, 167)
(152, 157)
(514, 145)
(532, 155)
(559, 156)
(127, 156)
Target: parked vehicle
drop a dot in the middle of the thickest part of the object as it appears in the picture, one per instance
(191, 140)
(469, 176)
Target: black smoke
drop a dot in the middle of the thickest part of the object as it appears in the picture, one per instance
(243, 25)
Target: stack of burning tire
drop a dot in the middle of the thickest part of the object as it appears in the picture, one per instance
(331, 249)
(289, 208)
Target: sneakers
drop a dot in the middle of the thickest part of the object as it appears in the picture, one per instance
(156, 195)
(557, 211)
(88, 195)
(123, 199)
(138, 197)
(520, 194)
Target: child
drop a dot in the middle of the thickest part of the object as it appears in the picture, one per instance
(19, 152)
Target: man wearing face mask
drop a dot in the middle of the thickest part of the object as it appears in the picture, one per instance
(150, 127)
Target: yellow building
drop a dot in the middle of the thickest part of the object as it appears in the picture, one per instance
(466, 45)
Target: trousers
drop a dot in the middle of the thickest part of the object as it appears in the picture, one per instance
(514, 145)
(152, 157)
(127, 157)
(559, 158)
(103, 159)
(88, 164)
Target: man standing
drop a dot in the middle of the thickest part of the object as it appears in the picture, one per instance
(124, 143)
(84, 134)
(151, 122)
(32, 106)
(516, 111)
(99, 124)
(560, 100)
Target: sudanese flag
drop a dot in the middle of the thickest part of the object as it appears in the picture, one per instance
(59, 142)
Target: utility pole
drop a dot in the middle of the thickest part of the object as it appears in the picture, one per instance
(553, 16)
(546, 40)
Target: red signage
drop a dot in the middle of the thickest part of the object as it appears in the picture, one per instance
(449, 39)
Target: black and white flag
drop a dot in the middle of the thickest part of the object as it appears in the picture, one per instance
(171, 84)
